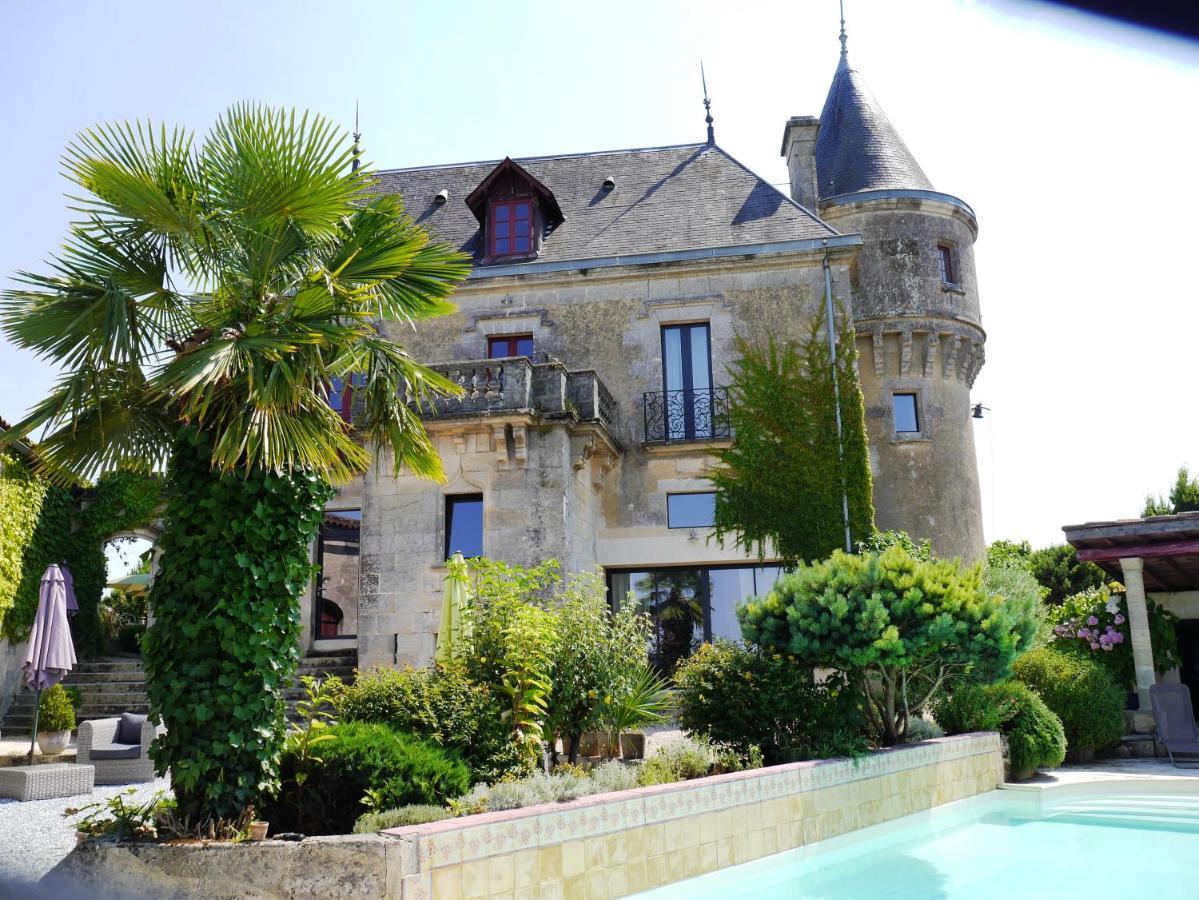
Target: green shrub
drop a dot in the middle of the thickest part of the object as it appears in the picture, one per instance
(680, 760)
(746, 698)
(55, 712)
(399, 769)
(1083, 695)
(416, 814)
(441, 704)
(899, 626)
(1033, 731)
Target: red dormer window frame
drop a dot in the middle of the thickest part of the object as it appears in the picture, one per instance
(506, 226)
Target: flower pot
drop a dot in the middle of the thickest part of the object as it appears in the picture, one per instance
(258, 830)
(592, 743)
(632, 745)
(80, 837)
(51, 743)
(1022, 774)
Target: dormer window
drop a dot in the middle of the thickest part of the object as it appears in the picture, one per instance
(516, 213)
(510, 229)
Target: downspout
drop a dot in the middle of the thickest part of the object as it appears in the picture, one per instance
(831, 325)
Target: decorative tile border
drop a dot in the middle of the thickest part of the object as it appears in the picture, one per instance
(608, 845)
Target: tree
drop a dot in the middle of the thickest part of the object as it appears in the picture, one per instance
(1183, 497)
(899, 627)
(1062, 573)
(781, 481)
(200, 309)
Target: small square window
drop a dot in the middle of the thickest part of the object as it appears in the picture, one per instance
(509, 345)
(510, 229)
(907, 419)
(464, 525)
(691, 510)
(949, 273)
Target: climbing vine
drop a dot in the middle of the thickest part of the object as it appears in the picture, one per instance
(42, 524)
(224, 642)
(780, 483)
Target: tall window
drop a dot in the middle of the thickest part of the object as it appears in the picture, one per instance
(464, 525)
(687, 381)
(511, 227)
(907, 415)
(337, 581)
(340, 393)
(949, 273)
(509, 345)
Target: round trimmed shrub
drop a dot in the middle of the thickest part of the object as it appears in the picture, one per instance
(750, 698)
(400, 770)
(1082, 694)
(1034, 733)
(55, 712)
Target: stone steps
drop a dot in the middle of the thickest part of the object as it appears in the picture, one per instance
(109, 687)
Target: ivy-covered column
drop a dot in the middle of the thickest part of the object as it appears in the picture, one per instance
(224, 642)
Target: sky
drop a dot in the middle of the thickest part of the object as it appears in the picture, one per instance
(1072, 138)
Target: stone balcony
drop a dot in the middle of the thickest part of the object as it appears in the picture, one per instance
(497, 387)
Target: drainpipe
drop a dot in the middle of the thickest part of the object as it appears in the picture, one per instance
(831, 325)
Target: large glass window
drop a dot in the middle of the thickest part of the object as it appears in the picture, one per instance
(691, 510)
(687, 381)
(464, 525)
(689, 605)
(336, 612)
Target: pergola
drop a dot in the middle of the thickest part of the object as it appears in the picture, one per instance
(1156, 554)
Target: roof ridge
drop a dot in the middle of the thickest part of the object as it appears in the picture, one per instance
(518, 159)
(786, 197)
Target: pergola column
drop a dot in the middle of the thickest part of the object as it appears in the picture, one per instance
(1138, 625)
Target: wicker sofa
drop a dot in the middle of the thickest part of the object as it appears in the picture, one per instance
(117, 761)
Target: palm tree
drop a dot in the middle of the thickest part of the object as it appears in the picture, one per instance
(206, 298)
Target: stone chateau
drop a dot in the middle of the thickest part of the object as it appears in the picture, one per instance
(592, 340)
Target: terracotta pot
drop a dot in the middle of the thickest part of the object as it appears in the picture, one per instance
(80, 837)
(51, 743)
(258, 830)
(592, 743)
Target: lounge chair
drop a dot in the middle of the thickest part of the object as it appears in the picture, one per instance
(119, 749)
(1175, 720)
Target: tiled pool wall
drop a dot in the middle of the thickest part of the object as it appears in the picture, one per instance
(613, 845)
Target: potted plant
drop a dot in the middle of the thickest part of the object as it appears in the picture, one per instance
(56, 720)
(648, 701)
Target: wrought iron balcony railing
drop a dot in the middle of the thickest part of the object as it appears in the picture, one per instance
(687, 415)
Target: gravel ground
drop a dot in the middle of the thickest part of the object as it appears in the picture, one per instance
(36, 837)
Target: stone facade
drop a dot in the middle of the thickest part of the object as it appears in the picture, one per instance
(568, 447)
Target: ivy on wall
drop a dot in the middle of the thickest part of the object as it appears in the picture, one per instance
(42, 524)
(781, 481)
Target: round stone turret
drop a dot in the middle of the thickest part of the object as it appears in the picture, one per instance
(915, 308)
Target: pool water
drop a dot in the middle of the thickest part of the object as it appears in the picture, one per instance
(1005, 844)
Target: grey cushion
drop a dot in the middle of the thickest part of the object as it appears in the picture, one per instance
(117, 751)
(130, 729)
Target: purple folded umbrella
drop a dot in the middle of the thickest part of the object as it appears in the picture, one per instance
(72, 603)
(50, 654)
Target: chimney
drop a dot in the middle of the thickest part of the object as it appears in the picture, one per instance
(799, 148)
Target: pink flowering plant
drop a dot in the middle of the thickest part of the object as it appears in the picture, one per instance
(1095, 622)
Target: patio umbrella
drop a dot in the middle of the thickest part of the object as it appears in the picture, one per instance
(455, 624)
(50, 654)
(72, 603)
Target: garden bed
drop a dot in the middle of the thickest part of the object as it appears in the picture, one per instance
(603, 845)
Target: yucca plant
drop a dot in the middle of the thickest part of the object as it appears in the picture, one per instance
(207, 296)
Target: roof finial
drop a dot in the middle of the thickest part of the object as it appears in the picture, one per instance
(707, 107)
(844, 40)
(357, 137)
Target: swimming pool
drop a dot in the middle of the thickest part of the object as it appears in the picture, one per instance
(1089, 840)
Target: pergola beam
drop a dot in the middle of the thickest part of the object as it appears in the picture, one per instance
(1143, 551)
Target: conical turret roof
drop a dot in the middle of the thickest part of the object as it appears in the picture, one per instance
(857, 147)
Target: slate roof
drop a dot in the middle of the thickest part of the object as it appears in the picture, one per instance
(857, 147)
(686, 197)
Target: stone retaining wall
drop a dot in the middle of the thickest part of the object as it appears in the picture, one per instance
(612, 845)
(608, 845)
